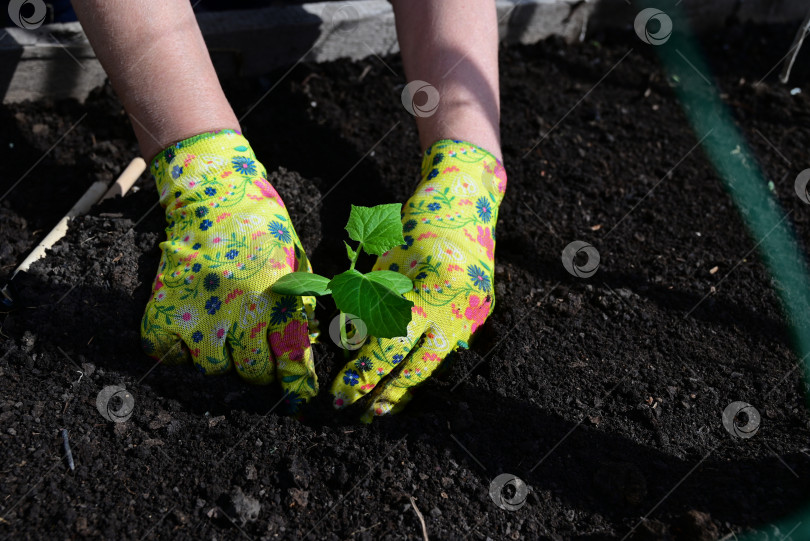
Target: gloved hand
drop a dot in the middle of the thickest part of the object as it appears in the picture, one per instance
(449, 226)
(229, 238)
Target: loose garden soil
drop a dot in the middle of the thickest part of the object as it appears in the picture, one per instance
(603, 394)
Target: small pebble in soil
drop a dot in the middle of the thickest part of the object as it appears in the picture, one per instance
(299, 497)
(696, 525)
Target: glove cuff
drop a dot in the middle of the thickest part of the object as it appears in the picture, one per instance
(467, 164)
(223, 153)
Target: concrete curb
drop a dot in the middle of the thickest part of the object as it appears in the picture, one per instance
(56, 61)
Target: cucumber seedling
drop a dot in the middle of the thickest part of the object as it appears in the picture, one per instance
(374, 297)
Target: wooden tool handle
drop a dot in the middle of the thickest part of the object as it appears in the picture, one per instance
(126, 179)
(92, 196)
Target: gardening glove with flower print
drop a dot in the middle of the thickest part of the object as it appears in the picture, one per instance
(449, 226)
(229, 238)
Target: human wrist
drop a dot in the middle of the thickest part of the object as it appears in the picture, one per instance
(155, 138)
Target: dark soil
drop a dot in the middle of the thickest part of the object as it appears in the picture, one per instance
(603, 394)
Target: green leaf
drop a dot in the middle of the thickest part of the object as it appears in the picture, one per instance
(384, 311)
(349, 251)
(240, 148)
(378, 228)
(290, 379)
(301, 283)
(393, 280)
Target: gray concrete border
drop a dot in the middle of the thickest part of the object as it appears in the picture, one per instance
(55, 61)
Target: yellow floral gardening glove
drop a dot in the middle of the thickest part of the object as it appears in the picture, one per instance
(449, 226)
(229, 238)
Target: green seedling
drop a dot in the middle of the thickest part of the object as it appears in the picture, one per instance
(375, 297)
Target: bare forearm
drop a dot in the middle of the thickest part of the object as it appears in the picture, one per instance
(156, 58)
(453, 45)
